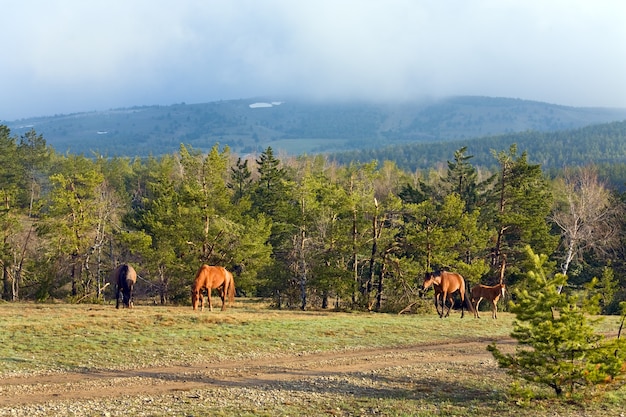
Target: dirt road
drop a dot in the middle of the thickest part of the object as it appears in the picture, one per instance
(253, 374)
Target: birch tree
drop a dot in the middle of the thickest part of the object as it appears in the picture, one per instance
(586, 215)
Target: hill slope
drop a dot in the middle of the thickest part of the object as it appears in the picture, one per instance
(602, 144)
(296, 127)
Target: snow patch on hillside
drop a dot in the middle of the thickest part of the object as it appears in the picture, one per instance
(265, 105)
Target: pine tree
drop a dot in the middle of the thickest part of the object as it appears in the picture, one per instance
(270, 190)
(557, 343)
(240, 177)
(204, 202)
(11, 186)
(73, 216)
(462, 178)
(517, 208)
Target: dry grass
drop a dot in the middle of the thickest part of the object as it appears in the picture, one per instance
(49, 336)
(43, 338)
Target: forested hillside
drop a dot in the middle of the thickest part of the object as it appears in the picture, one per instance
(603, 145)
(305, 231)
(296, 127)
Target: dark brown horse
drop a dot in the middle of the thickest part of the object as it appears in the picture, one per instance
(445, 284)
(210, 278)
(491, 293)
(124, 278)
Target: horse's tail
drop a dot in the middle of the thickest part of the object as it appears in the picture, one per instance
(231, 290)
(468, 299)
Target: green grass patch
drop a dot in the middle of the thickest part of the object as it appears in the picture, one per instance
(36, 337)
(40, 337)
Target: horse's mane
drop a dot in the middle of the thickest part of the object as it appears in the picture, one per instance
(123, 271)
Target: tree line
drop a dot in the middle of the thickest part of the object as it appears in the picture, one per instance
(602, 144)
(306, 231)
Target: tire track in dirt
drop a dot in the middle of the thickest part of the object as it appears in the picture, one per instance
(249, 372)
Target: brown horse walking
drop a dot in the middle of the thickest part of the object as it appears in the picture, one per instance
(212, 277)
(445, 284)
(491, 293)
(124, 278)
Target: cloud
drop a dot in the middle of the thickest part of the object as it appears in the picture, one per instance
(70, 55)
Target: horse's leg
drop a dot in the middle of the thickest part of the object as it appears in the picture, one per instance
(117, 296)
(496, 302)
(451, 300)
(473, 301)
(442, 303)
(125, 299)
(444, 296)
(209, 299)
(437, 304)
(495, 308)
(462, 295)
(464, 299)
(477, 304)
(223, 297)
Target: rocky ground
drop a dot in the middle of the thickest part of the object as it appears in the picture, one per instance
(261, 384)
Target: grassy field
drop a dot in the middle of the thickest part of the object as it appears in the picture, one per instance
(37, 337)
(44, 338)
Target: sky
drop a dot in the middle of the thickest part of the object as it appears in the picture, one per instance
(66, 56)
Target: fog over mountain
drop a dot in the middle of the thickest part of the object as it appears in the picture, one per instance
(71, 56)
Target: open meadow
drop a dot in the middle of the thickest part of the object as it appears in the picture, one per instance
(250, 360)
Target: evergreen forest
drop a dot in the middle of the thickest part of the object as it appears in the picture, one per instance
(603, 144)
(308, 232)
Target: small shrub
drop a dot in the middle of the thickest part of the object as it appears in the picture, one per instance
(557, 344)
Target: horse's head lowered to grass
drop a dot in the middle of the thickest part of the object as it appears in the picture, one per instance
(124, 278)
(209, 278)
(445, 284)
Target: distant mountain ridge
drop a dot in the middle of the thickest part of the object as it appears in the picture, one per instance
(599, 144)
(297, 127)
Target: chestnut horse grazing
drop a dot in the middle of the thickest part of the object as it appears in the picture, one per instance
(491, 293)
(124, 278)
(212, 277)
(445, 284)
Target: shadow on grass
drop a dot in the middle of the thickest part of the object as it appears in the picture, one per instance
(364, 385)
(15, 360)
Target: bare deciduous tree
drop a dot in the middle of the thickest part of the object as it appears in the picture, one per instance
(587, 215)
